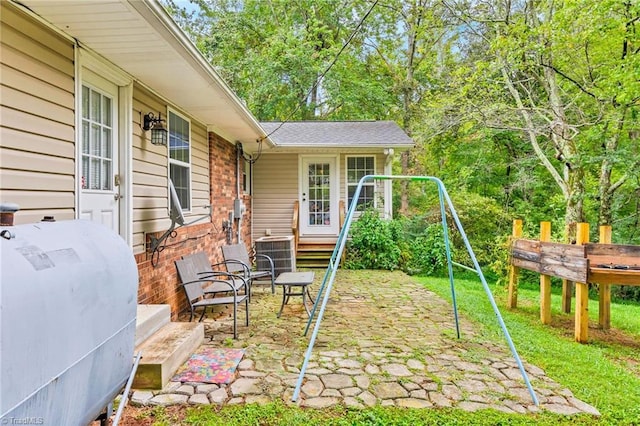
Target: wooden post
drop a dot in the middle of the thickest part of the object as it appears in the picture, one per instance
(512, 301)
(582, 293)
(545, 280)
(604, 311)
(567, 291)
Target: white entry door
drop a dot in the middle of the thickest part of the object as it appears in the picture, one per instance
(319, 196)
(99, 182)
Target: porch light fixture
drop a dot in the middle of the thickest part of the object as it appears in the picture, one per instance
(158, 130)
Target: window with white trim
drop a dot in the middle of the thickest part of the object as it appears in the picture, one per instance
(180, 157)
(97, 140)
(357, 167)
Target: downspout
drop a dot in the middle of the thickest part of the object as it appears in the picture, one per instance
(237, 203)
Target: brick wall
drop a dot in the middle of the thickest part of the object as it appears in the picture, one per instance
(160, 284)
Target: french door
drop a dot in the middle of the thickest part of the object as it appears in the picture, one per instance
(319, 196)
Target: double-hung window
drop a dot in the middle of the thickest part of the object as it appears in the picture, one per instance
(357, 167)
(180, 158)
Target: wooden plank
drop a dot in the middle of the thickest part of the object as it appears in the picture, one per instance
(612, 250)
(531, 256)
(527, 264)
(604, 276)
(569, 268)
(527, 245)
(545, 280)
(613, 261)
(562, 250)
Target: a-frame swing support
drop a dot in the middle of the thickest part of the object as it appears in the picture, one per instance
(330, 274)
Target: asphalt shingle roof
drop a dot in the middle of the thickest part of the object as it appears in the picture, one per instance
(338, 134)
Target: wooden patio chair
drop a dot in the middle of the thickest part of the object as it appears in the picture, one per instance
(193, 286)
(242, 264)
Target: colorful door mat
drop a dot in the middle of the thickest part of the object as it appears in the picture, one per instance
(210, 365)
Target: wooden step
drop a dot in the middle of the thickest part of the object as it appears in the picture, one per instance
(305, 247)
(149, 319)
(165, 351)
(314, 255)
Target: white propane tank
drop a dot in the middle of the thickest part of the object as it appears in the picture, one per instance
(68, 299)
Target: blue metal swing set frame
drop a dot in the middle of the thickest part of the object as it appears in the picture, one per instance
(330, 274)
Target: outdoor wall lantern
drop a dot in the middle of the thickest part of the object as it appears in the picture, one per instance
(158, 130)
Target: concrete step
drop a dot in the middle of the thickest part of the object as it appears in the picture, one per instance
(165, 352)
(149, 319)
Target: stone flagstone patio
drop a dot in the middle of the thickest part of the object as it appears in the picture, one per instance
(384, 339)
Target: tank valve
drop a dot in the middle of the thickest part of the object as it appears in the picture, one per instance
(7, 210)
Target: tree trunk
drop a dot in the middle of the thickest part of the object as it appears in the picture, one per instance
(607, 189)
(404, 184)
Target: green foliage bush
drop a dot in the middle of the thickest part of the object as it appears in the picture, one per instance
(372, 244)
(416, 244)
(422, 246)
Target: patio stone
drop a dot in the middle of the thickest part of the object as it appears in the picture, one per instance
(244, 386)
(208, 388)
(320, 402)
(141, 397)
(363, 382)
(414, 364)
(313, 388)
(348, 363)
(246, 364)
(257, 399)
(397, 370)
(218, 396)
(199, 399)
(185, 390)
(389, 390)
(167, 399)
(472, 406)
(561, 409)
(351, 391)
(413, 403)
(351, 402)
(439, 399)
(372, 369)
(366, 354)
(331, 392)
(336, 381)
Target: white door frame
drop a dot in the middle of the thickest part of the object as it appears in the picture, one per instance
(85, 59)
(307, 229)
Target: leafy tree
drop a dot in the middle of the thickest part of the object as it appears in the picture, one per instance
(548, 73)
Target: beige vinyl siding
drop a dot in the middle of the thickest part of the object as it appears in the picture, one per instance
(150, 172)
(275, 189)
(275, 186)
(37, 121)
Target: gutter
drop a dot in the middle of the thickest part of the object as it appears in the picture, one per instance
(157, 16)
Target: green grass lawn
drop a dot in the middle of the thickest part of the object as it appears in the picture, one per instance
(604, 373)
